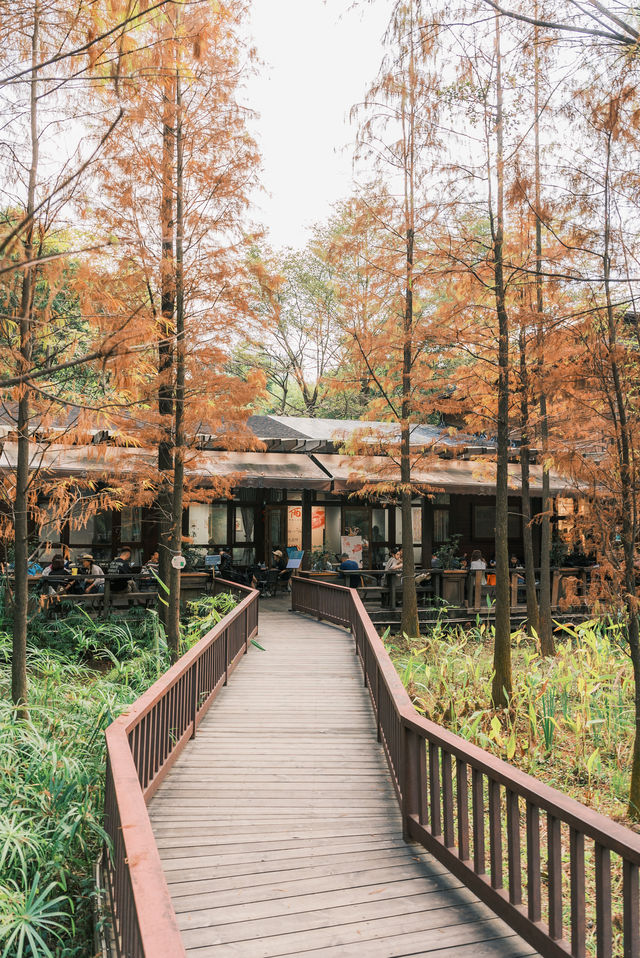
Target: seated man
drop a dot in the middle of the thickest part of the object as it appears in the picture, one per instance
(121, 566)
(89, 568)
(346, 565)
(55, 580)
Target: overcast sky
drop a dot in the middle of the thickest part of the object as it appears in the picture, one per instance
(320, 56)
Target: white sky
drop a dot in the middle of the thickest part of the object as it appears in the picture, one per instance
(320, 56)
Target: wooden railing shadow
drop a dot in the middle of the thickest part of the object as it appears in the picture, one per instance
(142, 745)
(486, 821)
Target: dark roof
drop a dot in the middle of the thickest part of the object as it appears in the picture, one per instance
(269, 427)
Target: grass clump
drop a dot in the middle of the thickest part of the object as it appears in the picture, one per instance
(570, 720)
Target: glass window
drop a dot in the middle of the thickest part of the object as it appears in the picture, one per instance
(199, 523)
(243, 555)
(49, 525)
(356, 522)
(90, 530)
(332, 529)
(218, 523)
(442, 499)
(440, 525)
(131, 524)
(244, 523)
(484, 523)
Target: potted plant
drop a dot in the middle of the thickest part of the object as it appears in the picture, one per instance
(453, 576)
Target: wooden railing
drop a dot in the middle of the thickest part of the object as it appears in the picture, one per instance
(142, 745)
(487, 822)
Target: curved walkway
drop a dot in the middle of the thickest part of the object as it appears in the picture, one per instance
(279, 831)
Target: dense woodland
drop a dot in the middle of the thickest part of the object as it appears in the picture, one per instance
(485, 271)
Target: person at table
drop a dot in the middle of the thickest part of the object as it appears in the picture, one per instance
(121, 566)
(149, 573)
(478, 563)
(55, 580)
(394, 562)
(225, 566)
(89, 568)
(347, 565)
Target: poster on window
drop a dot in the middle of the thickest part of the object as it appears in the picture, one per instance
(352, 545)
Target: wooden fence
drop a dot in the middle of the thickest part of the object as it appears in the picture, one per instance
(142, 745)
(488, 822)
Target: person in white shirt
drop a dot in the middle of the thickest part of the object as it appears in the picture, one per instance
(477, 562)
(394, 562)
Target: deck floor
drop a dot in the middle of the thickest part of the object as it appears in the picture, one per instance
(279, 831)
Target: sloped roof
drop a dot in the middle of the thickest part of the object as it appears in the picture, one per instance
(452, 475)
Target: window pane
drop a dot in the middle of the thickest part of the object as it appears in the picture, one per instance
(199, 523)
(218, 524)
(243, 555)
(244, 523)
(131, 524)
(332, 530)
(440, 525)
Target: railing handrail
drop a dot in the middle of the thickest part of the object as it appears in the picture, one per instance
(149, 925)
(424, 787)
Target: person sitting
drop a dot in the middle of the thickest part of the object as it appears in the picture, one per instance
(121, 567)
(55, 580)
(346, 565)
(225, 568)
(394, 562)
(149, 573)
(478, 564)
(96, 583)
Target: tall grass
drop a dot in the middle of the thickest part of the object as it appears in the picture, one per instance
(52, 770)
(570, 720)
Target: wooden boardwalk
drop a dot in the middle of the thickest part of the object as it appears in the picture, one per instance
(279, 831)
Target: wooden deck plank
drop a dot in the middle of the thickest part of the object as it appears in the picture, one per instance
(278, 827)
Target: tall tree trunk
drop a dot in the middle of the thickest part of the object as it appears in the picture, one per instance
(502, 679)
(627, 492)
(173, 620)
(165, 344)
(545, 626)
(410, 622)
(21, 501)
(525, 455)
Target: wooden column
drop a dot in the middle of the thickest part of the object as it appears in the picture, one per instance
(427, 532)
(307, 497)
(392, 526)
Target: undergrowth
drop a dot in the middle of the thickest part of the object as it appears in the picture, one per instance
(570, 721)
(52, 768)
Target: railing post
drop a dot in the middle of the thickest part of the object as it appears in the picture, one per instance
(226, 655)
(245, 616)
(410, 778)
(194, 702)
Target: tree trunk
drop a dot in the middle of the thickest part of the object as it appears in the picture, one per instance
(527, 532)
(502, 680)
(21, 501)
(410, 623)
(165, 344)
(545, 623)
(173, 618)
(627, 491)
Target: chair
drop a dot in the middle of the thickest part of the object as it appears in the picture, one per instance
(282, 580)
(269, 583)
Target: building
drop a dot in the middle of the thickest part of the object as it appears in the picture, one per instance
(301, 491)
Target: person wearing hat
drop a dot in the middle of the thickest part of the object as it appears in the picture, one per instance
(279, 561)
(89, 568)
